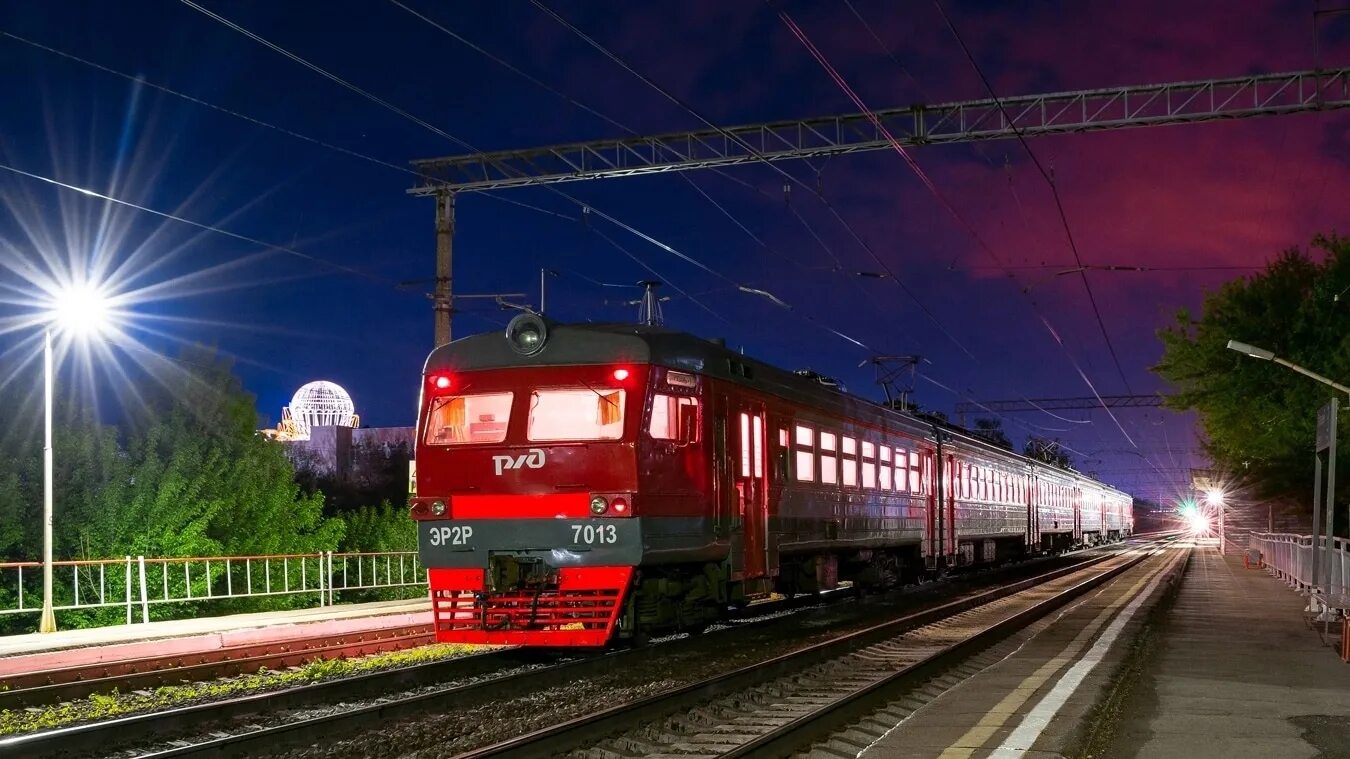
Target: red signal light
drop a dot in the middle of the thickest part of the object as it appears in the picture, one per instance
(619, 506)
(621, 374)
(441, 381)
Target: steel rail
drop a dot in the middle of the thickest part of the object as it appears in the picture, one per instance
(66, 683)
(588, 730)
(83, 738)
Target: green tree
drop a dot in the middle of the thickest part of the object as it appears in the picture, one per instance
(1259, 418)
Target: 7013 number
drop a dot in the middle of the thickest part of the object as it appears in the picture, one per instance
(595, 534)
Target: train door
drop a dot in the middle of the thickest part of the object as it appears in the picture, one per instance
(750, 473)
(723, 488)
(1033, 514)
(949, 510)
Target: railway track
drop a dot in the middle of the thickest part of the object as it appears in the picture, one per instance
(383, 697)
(495, 671)
(780, 706)
(63, 684)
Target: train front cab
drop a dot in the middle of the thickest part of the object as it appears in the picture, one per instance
(528, 520)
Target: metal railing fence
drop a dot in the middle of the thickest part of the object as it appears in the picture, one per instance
(137, 583)
(1290, 557)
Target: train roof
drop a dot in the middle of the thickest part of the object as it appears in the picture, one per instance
(588, 344)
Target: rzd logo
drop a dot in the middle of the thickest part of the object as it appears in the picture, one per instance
(532, 460)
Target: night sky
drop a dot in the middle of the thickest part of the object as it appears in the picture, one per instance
(1217, 200)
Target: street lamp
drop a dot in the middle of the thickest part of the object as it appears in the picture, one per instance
(79, 310)
(1214, 498)
(1265, 355)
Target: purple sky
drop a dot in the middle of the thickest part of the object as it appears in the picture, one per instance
(1227, 194)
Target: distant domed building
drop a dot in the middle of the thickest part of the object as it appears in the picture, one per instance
(316, 404)
(323, 439)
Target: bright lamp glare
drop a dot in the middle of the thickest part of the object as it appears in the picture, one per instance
(81, 309)
(1198, 523)
(1214, 498)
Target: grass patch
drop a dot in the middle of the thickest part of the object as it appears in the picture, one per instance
(102, 706)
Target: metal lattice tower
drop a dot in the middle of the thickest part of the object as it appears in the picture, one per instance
(1065, 112)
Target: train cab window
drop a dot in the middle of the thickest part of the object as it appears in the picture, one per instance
(575, 414)
(463, 419)
(884, 468)
(674, 418)
(806, 454)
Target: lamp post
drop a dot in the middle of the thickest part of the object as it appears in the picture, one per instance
(79, 310)
(1265, 355)
(1214, 498)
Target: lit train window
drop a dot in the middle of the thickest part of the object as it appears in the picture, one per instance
(782, 437)
(827, 441)
(900, 469)
(869, 450)
(674, 417)
(829, 469)
(805, 436)
(850, 447)
(757, 431)
(869, 475)
(806, 456)
(745, 445)
(463, 419)
(884, 474)
(805, 466)
(914, 486)
(582, 414)
(886, 453)
(849, 467)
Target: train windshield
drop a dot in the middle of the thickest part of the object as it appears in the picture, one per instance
(462, 419)
(575, 414)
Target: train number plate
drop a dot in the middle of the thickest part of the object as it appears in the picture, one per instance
(594, 534)
(450, 535)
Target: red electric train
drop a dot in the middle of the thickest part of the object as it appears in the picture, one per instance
(576, 484)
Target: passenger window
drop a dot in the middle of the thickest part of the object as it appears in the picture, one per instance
(829, 467)
(674, 417)
(914, 472)
(806, 455)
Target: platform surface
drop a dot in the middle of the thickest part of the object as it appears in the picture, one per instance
(1239, 673)
(1030, 702)
(68, 648)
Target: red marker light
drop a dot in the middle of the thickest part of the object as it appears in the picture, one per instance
(441, 381)
(619, 505)
(621, 374)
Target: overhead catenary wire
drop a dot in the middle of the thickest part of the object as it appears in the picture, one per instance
(839, 80)
(585, 207)
(619, 61)
(1054, 192)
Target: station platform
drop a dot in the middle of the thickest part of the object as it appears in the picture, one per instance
(1030, 702)
(1229, 667)
(1239, 673)
(99, 645)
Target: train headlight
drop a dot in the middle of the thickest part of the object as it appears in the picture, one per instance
(438, 508)
(527, 334)
(598, 504)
